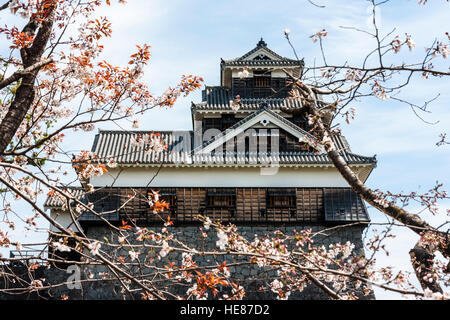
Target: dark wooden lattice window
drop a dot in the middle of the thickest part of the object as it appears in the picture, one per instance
(169, 196)
(261, 79)
(300, 121)
(136, 200)
(281, 199)
(105, 203)
(281, 202)
(227, 121)
(134, 204)
(262, 82)
(210, 123)
(221, 199)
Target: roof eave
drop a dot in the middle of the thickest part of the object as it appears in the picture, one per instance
(300, 165)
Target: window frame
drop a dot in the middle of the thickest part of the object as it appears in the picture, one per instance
(273, 200)
(169, 195)
(261, 81)
(229, 196)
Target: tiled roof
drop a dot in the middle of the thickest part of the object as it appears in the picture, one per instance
(57, 202)
(254, 63)
(216, 95)
(117, 144)
(181, 151)
(307, 158)
(218, 98)
(281, 61)
(106, 203)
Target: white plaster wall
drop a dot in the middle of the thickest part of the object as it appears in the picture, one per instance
(278, 74)
(223, 177)
(235, 72)
(64, 219)
(274, 73)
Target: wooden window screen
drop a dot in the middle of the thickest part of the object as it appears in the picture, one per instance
(281, 202)
(217, 198)
(262, 82)
(281, 199)
(169, 196)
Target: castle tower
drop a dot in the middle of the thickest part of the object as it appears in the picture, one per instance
(246, 160)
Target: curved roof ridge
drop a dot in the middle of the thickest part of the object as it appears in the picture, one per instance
(261, 45)
(139, 131)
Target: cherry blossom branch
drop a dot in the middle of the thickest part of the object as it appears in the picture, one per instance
(5, 5)
(21, 73)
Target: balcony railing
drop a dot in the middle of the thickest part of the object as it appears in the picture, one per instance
(28, 257)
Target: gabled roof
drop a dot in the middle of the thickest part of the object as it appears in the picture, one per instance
(218, 99)
(205, 151)
(261, 46)
(58, 202)
(265, 63)
(268, 58)
(117, 144)
(263, 114)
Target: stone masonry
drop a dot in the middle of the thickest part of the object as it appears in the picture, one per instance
(251, 277)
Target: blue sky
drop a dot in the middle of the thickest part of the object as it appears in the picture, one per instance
(190, 37)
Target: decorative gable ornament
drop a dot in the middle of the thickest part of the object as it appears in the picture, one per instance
(264, 122)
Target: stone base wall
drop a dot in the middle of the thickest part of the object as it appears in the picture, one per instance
(19, 290)
(251, 277)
